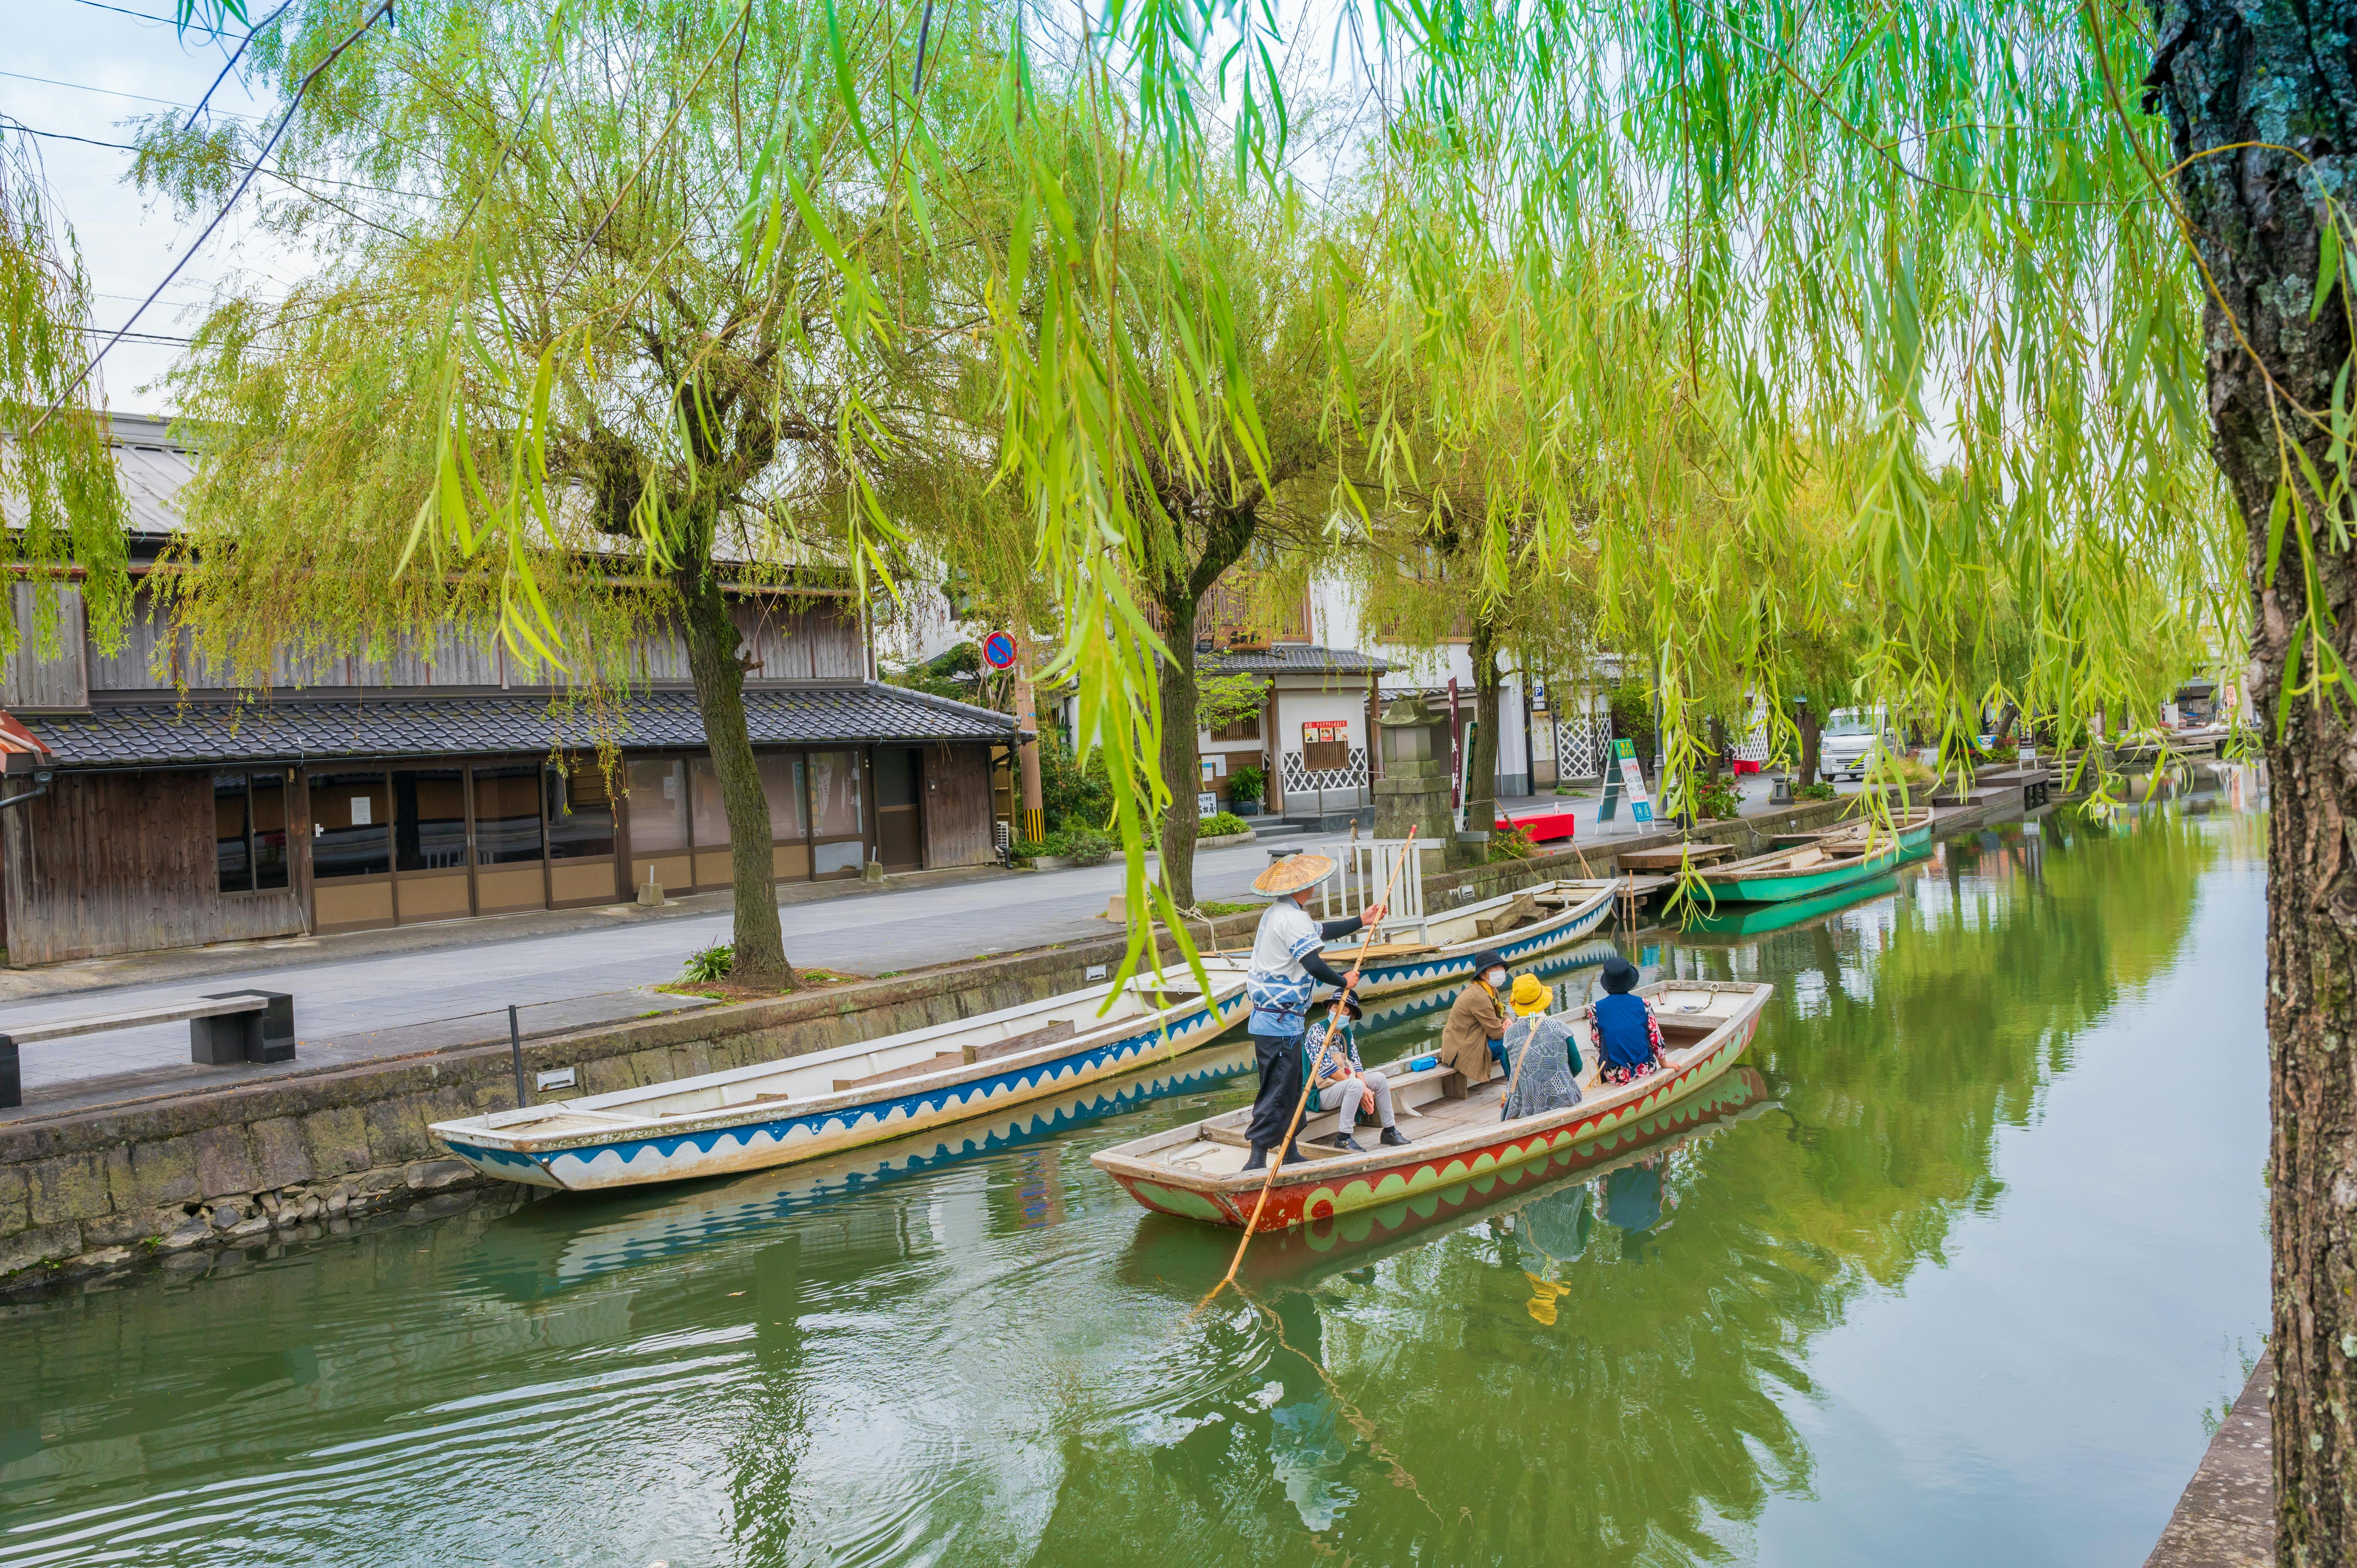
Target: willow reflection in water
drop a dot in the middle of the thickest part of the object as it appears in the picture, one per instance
(986, 1361)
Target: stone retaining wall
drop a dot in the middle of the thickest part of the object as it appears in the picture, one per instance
(89, 1190)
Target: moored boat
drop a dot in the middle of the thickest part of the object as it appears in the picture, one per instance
(1758, 919)
(1420, 950)
(1196, 1170)
(806, 1107)
(1799, 871)
(1913, 825)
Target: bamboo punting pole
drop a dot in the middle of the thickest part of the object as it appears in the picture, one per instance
(1309, 1077)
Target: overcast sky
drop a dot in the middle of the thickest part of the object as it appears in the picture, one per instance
(128, 241)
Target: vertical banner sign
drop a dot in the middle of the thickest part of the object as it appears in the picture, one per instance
(1640, 809)
(1465, 776)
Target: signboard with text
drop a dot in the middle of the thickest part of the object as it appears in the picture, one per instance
(1640, 809)
(1324, 732)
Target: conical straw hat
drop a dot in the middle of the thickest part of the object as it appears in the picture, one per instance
(1293, 874)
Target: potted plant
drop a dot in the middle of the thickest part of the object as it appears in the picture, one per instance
(1244, 787)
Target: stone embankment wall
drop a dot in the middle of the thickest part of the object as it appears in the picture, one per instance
(98, 1189)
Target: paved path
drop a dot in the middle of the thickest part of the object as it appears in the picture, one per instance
(431, 988)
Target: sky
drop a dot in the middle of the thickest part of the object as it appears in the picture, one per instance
(117, 60)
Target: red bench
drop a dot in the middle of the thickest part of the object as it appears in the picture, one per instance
(1541, 826)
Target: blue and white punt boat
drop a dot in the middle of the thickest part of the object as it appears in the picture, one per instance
(1419, 950)
(807, 1107)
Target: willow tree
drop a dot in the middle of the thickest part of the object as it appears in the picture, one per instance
(57, 489)
(577, 360)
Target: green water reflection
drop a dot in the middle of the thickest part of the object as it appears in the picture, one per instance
(1963, 1134)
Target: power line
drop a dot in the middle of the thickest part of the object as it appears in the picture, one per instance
(143, 336)
(149, 16)
(133, 147)
(118, 92)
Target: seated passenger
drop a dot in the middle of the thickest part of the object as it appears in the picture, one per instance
(1550, 1079)
(1468, 1040)
(1627, 1038)
(1343, 1084)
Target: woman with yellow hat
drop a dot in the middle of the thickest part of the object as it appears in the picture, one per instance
(1540, 1052)
(1286, 967)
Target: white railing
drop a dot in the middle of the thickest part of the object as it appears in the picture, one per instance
(1753, 748)
(1299, 774)
(1367, 869)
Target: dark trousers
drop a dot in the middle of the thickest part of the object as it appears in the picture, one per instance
(1280, 1088)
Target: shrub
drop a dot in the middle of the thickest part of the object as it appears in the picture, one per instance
(1718, 798)
(1086, 846)
(1246, 784)
(1071, 793)
(1632, 711)
(1820, 790)
(710, 964)
(1221, 823)
(1891, 771)
(1515, 844)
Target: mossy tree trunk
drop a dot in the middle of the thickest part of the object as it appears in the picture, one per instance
(1481, 762)
(1812, 725)
(2262, 102)
(713, 660)
(1178, 589)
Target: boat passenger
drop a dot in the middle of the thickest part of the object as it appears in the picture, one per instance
(1628, 1036)
(1286, 970)
(1344, 1084)
(1549, 1079)
(1477, 1022)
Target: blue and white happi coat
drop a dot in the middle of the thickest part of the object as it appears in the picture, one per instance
(1277, 984)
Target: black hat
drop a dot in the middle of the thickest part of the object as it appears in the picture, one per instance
(1619, 975)
(1487, 960)
(1351, 1006)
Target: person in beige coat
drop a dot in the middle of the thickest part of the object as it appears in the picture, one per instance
(1469, 1041)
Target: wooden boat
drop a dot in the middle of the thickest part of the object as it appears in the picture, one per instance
(1195, 1171)
(1913, 826)
(1184, 1259)
(1420, 950)
(544, 1249)
(1758, 919)
(803, 1107)
(1802, 871)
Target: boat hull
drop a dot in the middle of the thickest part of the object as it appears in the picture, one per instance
(1308, 1200)
(1411, 972)
(1804, 883)
(1755, 919)
(788, 1138)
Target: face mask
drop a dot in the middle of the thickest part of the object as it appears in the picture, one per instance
(1496, 977)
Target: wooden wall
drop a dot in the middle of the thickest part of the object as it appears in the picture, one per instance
(124, 863)
(794, 638)
(33, 683)
(957, 806)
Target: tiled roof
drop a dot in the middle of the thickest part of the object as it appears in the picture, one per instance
(144, 734)
(1292, 659)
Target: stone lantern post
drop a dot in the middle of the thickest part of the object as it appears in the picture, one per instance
(1414, 788)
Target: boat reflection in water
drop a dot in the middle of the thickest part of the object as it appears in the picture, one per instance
(1187, 1258)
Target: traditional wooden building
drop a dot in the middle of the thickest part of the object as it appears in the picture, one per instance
(433, 786)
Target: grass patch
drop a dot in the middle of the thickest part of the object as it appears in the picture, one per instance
(1225, 906)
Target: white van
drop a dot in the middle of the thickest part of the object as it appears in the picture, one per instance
(1850, 739)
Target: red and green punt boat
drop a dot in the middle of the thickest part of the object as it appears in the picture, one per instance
(1195, 1171)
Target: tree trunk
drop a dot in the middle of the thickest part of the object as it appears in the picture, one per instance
(712, 643)
(1718, 760)
(2262, 77)
(1813, 734)
(1178, 589)
(1481, 766)
(1182, 773)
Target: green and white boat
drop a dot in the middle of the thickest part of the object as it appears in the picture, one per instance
(1801, 871)
(1912, 825)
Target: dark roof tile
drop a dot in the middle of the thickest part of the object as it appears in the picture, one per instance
(154, 735)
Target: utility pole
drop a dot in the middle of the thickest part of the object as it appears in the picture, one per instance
(1035, 822)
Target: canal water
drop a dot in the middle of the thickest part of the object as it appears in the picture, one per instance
(1959, 1267)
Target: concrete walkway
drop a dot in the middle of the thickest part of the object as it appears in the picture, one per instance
(426, 988)
(2227, 1517)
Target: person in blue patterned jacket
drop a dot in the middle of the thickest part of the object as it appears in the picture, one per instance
(1286, 970)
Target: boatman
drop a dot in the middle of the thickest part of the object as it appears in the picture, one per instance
(1286, 967)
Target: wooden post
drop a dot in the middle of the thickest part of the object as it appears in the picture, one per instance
(515, 1054)
(1034, 819)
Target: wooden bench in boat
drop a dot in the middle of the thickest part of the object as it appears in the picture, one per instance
(224, 1027)
(966, 1056)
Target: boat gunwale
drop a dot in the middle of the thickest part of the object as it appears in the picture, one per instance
(1328, 1171)
(1465, 948)
(514, 1137)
